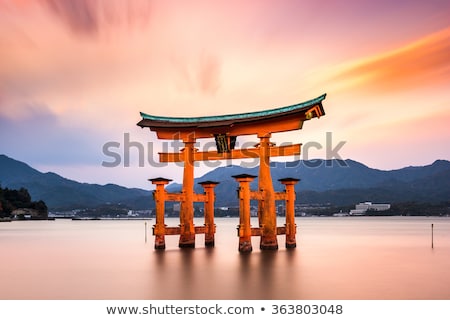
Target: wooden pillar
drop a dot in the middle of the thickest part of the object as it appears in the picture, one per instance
(159, 229)
(187, 236)
(290, 211)
(244, 228)
(266, 209)
(210, 227)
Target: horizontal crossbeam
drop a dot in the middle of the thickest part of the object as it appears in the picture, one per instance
(257, 232)
(197, 197)
(280, 151)
(258, 195)
(170, 231)
(280, 195)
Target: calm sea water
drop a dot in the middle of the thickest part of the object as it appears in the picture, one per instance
(336, 258)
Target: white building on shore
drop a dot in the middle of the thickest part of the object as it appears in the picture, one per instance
(363, 207)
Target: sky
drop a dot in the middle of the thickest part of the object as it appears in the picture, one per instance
(74, 76)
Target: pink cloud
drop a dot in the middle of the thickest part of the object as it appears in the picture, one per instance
(81, 16)
(209, 74)
(198, 74)
(89, 17)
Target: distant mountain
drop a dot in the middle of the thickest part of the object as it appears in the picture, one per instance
(335, 182)
(342, 182)
(61, 193)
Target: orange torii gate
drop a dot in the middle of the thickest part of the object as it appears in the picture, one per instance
(225, 129)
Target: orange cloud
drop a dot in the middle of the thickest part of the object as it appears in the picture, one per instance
(422, 63)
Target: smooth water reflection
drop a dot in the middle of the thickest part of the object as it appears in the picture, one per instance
(335, 258)
(207, 274)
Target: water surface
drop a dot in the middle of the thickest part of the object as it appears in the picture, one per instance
(336, 258)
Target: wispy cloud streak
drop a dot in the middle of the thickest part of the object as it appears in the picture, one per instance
(89, 17)
(81, 16)
(422, 63)
(199, 74)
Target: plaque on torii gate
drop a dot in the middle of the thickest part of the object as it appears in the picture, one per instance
(225, 129)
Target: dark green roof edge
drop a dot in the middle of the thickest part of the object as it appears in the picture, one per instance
(236, 116)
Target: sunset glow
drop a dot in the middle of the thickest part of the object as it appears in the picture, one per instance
(75, 75)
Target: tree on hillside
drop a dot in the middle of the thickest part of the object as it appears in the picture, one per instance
(11, 199)
(18, 198)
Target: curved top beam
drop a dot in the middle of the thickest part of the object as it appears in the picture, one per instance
(209, 125)
(182, 121)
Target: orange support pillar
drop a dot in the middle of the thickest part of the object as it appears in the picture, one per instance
(187, 236)
(290, 211)
(210, 227)
(244, 228)
(159, 229)
(266, 211)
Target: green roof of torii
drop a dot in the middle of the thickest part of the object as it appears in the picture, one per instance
(147, 119)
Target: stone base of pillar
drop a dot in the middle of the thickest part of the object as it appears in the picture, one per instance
(245, 246)
(187, 241)
(268, 243)
(209, 241)
(291, 245)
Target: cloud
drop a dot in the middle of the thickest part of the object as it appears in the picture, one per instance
(209, 74)
(201, 74)
(89, 17)
(81, 16)
(422, 63)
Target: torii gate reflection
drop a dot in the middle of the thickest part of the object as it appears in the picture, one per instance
(225, 129)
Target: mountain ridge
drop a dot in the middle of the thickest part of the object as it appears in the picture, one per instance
(62, 193)
(342, 182)
(336, 182)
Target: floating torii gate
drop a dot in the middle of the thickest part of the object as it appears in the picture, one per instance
(225, 129)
